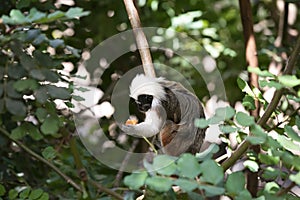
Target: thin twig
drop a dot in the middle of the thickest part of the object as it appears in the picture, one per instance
(40, 158)
(105, 190)
(269, 110)
(125, 162)
(140, 38)
(285, 190)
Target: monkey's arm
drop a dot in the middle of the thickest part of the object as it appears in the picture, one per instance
(155, 119)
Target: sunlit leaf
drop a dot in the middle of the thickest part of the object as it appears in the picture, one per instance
(289, 80)
(76, 13)
(12, 194)
(270, 83)
(208, 153)
(262, 73)
(225, 112)
(243, 85)
(287, 143)
(291, 133)
(295, 178)
(35, 15)
(251, 165)
(201, 123)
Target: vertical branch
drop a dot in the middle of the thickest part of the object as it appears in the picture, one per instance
(140, 38)
(252, 60)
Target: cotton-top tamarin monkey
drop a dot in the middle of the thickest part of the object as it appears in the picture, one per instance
(170, 111)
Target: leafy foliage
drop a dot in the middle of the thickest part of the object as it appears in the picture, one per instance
(40, 40)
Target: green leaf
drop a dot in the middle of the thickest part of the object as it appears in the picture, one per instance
(244, 195)
(251, 165)
(41, 95)
(159, 184)
(76, 13)
(26, 84)
(50, 125)
(262, 73)
(35, 193)
(55, 16)
(17, 17)
(136, 180)
(295, 178)
(226, 112)
(258, 135)
(249, 102)
(291, 133)
(56, 43)
(43, 59)
(77, 98)
(271, 187)
(164, 164)
(271, 174)
(15, 107)
(287, 143)
(58, 92)
(264, 83)
(35, 15)
(289, 80)
(45, 196)
(50, 75)
(201, 123)
(22, 4)
(268, 159)
(25, 193)
(37, 74)
(235, 183)
(12, 194)
(16, 71)
(244, 119)
(186, 185)
(49, 153)
(11, 91)
(2, 190)
(211, 172)
(18, 133)
(208, 153)
(188, 166)
(212, 190)
(227, 129)
(41, 114)
(243, 85)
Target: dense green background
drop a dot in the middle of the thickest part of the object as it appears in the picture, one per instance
(37, 37)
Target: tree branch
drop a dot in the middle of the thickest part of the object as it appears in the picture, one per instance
(140, 38)
(40, 158)
(252, 60)
(269, 110)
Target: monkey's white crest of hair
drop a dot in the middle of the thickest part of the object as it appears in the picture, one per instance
(142, 84)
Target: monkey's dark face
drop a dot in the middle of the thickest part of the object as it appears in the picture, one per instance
(144, 102)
